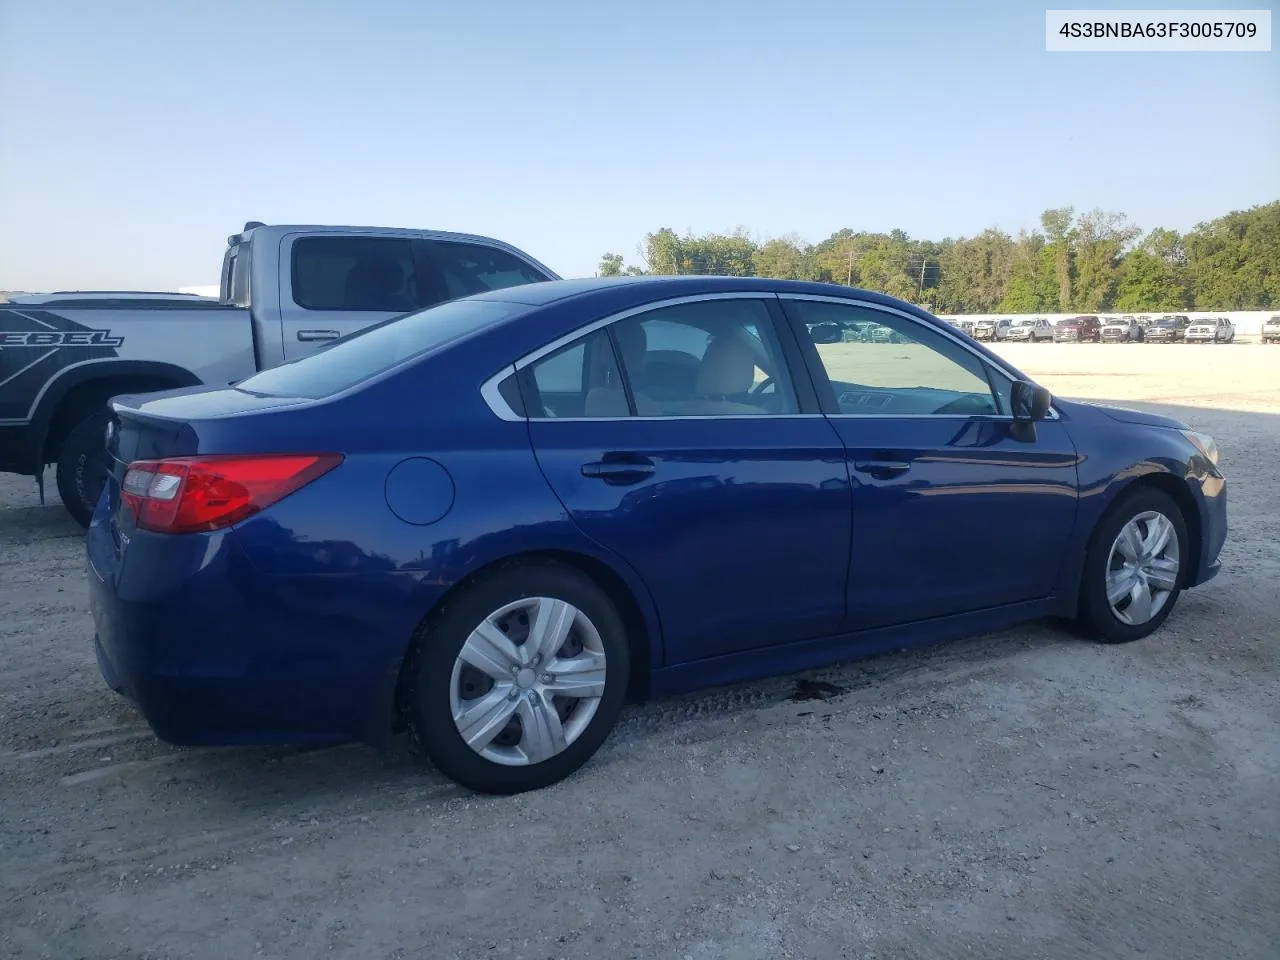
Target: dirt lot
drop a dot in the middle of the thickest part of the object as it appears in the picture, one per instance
(1022, 795)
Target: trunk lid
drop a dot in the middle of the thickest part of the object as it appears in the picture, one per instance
(155, 426)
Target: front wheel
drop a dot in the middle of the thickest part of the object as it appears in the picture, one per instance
(82, 466)
(1133, 571)
(519, 680)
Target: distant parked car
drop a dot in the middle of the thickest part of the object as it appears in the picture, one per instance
(964, 326)
(1168, 329)
(1078, 329)
(1030, 329)
(857, 332)
(1213, 330)
(992, 329)
(882, 334)
(496, 519)
(1271, 330)
(1122, 330)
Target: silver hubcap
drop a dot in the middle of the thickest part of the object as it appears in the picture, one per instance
(528, 681)
(1142, 571)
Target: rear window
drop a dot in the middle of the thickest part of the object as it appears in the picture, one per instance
(377, 348)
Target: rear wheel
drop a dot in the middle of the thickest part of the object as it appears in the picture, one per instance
(519, 680)
(82, 466)
(1133, 572)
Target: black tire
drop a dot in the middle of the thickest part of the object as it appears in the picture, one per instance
(436, 648)
(82, 465)
(1096, 619)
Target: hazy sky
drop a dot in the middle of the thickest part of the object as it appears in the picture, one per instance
(135, 136)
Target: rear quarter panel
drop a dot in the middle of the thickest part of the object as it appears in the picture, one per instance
(43, 352)
(336, 562)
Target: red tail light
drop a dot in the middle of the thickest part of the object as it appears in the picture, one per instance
(193, 494)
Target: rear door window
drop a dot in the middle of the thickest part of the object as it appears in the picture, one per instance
(581, 379)
(457, 269)
(374, 274)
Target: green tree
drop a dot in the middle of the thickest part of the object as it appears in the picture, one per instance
(1101, 239)
(1059, 236)
(1024, 293)
(719, 255)
(1088, 263)
(1147, 282)
(1233, 262)
(785, 258)
(975, 272)
(663, 252)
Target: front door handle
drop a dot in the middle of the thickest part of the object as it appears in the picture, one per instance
(620, 472)
(882, 469)
(306, 335)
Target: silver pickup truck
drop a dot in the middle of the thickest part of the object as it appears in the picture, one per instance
(286, 291)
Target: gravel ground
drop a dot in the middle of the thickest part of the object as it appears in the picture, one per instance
(1021, 795)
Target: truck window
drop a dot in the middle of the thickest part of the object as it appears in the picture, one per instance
(462, 269)
(375, 274)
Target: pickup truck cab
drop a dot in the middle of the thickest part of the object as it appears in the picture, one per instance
(1030, 330)
(1167, 329)
(1078, 329)
(992, 329)
(1121, 330)
(1271, 330)
(1212, 330)
(286, 291)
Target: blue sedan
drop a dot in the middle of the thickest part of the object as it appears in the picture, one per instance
(493, 521)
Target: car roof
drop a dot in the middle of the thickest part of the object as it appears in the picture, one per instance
(552, 291)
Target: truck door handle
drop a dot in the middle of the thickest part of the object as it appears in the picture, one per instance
(306, 335)
(620, 472)
(882, 469)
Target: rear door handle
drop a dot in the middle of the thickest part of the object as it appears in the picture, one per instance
(306, 335)
(882, 469)
(619, 471)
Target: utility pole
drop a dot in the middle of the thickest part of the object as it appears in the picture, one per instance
(920, 292)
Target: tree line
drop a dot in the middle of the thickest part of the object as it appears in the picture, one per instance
(1088, 262)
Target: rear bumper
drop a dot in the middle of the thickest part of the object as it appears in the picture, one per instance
(213, 652)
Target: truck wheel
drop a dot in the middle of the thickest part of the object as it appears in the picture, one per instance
(82, 466)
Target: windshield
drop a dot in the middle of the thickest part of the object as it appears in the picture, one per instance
(368, 352)
(1024, 323)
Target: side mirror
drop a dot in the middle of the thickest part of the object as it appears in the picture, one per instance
(1030, 401)
(826, 333)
